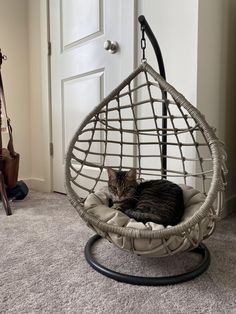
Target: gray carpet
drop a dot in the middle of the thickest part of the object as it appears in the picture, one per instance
(43, 269)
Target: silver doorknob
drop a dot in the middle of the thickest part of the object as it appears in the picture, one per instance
(111, 46)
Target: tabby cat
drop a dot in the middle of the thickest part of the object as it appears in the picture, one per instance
(159, 201)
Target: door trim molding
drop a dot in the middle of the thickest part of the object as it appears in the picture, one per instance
(45, 91)
(129, 12)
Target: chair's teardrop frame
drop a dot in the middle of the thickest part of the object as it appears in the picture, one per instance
(214, 196)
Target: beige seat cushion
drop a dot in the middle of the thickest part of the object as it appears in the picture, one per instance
(96, 204)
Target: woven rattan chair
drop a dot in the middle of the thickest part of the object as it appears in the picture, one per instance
(126, 130)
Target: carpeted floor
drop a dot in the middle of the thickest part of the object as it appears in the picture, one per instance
(43, 269)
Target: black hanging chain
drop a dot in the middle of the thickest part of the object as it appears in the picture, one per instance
(143, 44)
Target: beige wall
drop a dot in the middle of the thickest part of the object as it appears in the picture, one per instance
(217, 76)
(21, 40)
(14, 42)
(39, 136)
(35, 86)
(174, 24)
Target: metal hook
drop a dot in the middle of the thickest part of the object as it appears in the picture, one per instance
(143, 44)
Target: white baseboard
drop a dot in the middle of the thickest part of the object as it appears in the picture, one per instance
(38, 184)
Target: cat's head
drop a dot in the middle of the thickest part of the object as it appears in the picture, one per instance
(121, 184)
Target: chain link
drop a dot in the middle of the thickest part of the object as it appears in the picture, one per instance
(143, 44)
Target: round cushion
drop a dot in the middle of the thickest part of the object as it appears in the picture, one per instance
(96, 204)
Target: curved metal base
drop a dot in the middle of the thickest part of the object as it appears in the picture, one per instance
(148, 281)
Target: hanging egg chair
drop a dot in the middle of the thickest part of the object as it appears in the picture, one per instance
(145, 123)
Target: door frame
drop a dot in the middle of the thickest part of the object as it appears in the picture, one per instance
(46, 80)
(46, 94)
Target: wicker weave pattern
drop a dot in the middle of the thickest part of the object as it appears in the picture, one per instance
(125, 130)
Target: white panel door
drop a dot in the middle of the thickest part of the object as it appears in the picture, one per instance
(82, 71)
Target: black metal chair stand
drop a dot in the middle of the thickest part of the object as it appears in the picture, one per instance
(148, 281)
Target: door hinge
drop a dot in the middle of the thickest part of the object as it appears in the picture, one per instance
(51, 149)
(49, 48)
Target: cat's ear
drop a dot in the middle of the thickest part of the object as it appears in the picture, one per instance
(131, 174)
(111, 173)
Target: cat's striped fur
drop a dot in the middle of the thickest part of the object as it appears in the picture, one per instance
(159, 201)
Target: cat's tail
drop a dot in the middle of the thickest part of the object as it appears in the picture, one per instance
(144, 217)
